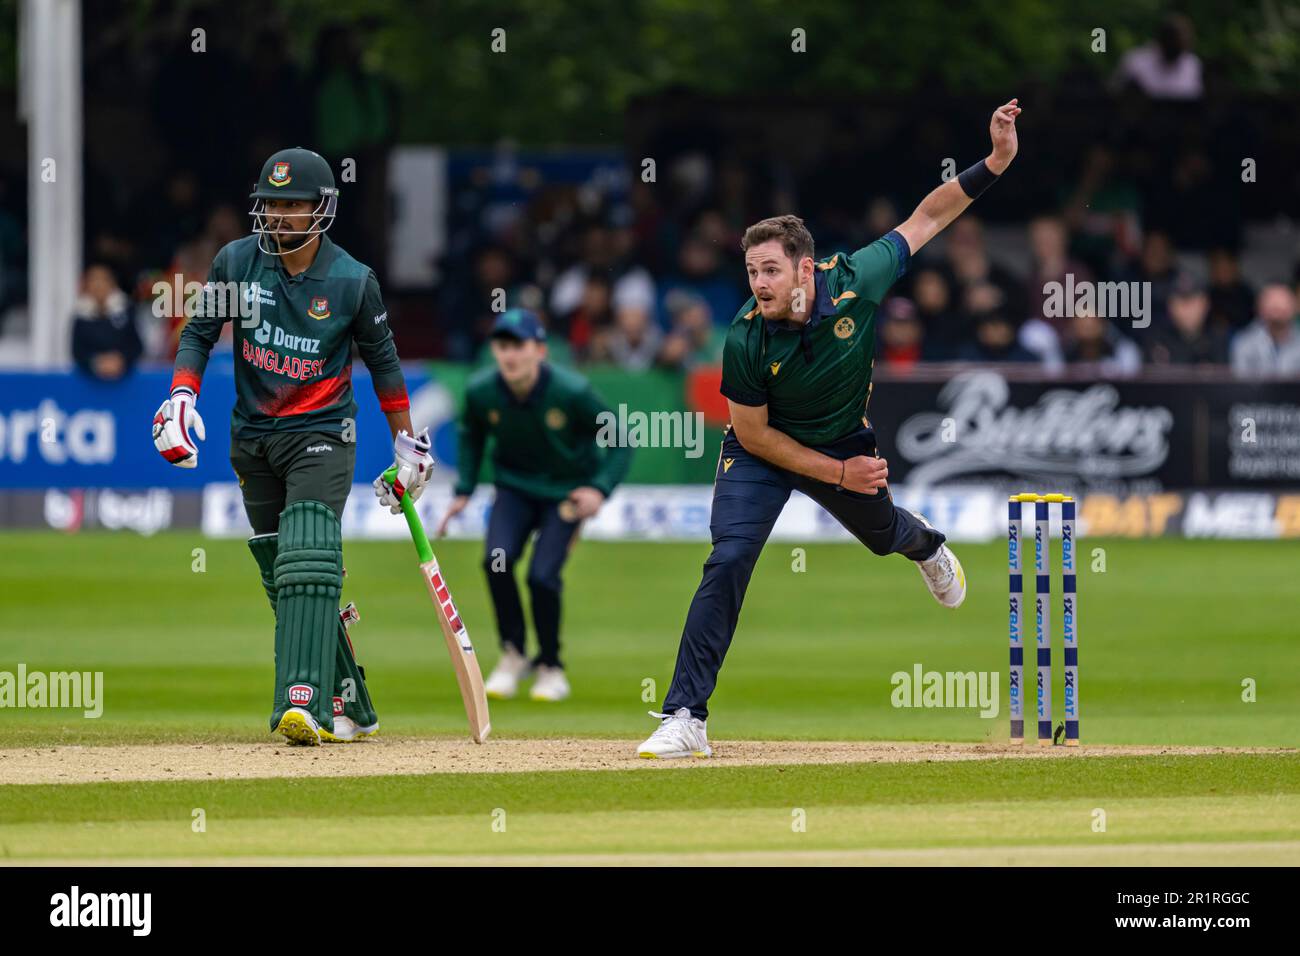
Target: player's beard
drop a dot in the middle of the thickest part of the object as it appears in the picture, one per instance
(284, 238)
(778, 310)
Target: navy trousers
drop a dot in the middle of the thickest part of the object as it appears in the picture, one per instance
(514, 517)
(748, 495)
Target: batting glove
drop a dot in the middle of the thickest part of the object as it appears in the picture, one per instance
(414, 467)
(171, 429)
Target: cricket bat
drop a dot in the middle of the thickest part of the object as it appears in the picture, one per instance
(463, 659)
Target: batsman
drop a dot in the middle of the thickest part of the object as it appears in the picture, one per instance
(293, 427)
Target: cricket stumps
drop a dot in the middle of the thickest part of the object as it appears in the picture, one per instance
(1042, 615)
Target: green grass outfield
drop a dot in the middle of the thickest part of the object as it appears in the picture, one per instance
(1168, 634)
(1230, 809)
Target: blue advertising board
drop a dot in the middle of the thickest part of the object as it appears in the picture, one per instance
(63, 429)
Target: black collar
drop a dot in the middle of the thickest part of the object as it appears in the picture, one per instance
(534, 394)
(822, 307)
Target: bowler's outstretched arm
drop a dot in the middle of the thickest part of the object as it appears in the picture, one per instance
(947, 202)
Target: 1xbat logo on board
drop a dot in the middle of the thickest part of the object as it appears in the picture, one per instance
(1067, 433)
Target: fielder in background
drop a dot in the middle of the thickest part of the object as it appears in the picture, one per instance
(292, 429)
(550, 474)
(796, 372)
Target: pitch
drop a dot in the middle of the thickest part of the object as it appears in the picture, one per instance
(1187, 680)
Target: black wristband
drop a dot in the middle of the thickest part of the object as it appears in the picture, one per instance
(976, 179)
(840, 485)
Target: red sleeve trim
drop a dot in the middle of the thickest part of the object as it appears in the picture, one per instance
(395, 400)
(184, 378)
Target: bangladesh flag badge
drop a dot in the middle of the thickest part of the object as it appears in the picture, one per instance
(320, 308)
(280, 175)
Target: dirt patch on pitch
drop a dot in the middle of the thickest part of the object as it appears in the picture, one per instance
(415, 756)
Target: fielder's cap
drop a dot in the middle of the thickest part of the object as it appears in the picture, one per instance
(520, 324)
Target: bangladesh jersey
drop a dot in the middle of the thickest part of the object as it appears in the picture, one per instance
(815, 378)
(293, 365)
(544, 444)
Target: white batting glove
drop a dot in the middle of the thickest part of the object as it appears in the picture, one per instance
(414, 467)
(171, 429)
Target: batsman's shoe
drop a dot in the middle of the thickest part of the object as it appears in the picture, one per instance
(347, 731)
(943, 574)
(679, 735)
(300, 727)
(503, 682)
(551, 684)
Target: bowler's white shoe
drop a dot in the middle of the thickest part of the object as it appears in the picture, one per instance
(551, 684)
(679, 735)
(503, 682)
(942, 572)
(300, 727)
(346, 731)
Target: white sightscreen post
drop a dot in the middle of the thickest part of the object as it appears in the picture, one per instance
(50, 100)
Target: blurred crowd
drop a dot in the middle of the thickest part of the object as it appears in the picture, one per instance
(648, 274)
(1138, 181)
(639, 288)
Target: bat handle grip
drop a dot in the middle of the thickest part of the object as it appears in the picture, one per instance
(421, 540)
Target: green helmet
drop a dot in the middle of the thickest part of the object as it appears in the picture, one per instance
(294, 173)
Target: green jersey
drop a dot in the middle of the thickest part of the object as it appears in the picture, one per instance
(293, 366)
(815, 378)
(544, 444)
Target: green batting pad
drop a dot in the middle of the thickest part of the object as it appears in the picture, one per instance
(308, 581)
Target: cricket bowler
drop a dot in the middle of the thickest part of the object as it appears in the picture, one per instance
(292, 428)
(551, 474)
(796, 372)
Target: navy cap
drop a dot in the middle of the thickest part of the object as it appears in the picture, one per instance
(521, 324)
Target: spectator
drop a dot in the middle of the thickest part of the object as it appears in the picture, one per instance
(700, 271)
(882, 216)
(932, 296)
(1094, 341)
(901, 334)
(632, 342)
(471, 296)
(592, 317)
(1189, 340)
(1049, 243)
(191, 264)
(969, 263)
(692, 338)
(225, 225)
(1232, 301)
(1155, 265)
(980, 298)
(1271, 344)
(626, 280)
(1103, 214)
(1165, 68)
(996, 340)
(105, 343)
